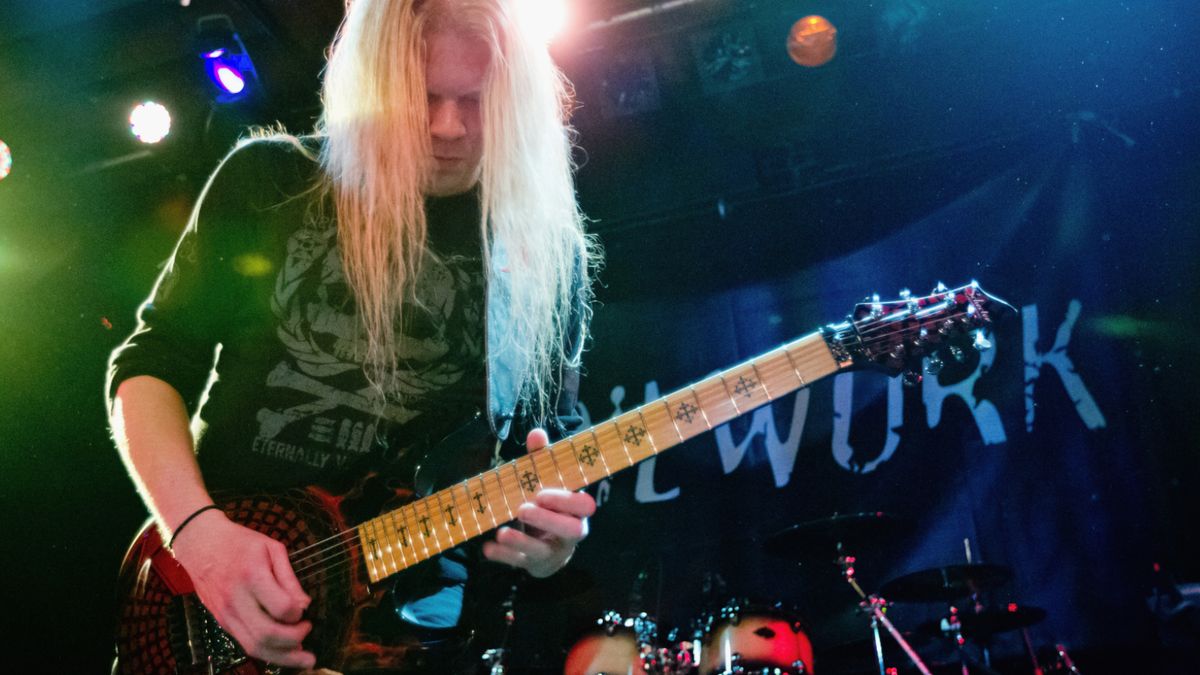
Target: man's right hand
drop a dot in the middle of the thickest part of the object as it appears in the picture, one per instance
(246, 581)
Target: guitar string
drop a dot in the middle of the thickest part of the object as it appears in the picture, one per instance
(868, 328)
(340, 541)
(504, 481)
(883, 326)
(880, 324)
(339, 554)
(329, 562)
(874, 341)
(505, 484)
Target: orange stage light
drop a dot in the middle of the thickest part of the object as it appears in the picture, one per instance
(812, 41)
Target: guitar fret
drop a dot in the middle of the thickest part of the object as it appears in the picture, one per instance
(700, 407)
(552, 451)
(401, 536)
(608, 439)
(385, 551)
(762, 382)
(528, 479)
(776, 369)
(662, 428)
(671, 417)
(546, 469)
(467, 506)
(427, 527)
(568, 448)
(370, 549)
(714, 402)
(379, 542)
(409, 513)
(447, 517)
(495, 473)
(729, 394)
(616, 426)
(382, 546)
(482, 501)
(594, 450)
(788, 353)
(649, 436)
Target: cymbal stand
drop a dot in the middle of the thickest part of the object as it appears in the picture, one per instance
(876, 605)
(493, 659)
(952, 628)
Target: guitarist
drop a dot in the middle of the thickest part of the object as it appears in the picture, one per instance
(336, 296)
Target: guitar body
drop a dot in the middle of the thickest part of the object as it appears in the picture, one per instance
(164, 629)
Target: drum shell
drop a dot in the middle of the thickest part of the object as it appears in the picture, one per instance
(761, 640)
(605, 652)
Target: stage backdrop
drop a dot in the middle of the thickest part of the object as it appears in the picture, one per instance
(1051, 455)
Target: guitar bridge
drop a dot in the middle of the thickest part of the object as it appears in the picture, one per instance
(198, 641)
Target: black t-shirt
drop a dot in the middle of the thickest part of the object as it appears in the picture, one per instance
(257, 281)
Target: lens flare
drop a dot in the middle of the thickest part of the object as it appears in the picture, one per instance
(5, 161)
(150, 122)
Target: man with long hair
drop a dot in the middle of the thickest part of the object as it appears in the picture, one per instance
(336, 297)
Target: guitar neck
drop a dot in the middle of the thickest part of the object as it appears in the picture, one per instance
(428, 526)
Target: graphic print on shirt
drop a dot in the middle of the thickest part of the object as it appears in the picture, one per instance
(332, 416)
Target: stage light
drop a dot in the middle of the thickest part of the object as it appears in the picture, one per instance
(226, 60)
(5, 161)
(230, 79)
(150, 122)
(812, 41)
(543, 19)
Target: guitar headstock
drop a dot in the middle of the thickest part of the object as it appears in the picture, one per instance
(896, 335)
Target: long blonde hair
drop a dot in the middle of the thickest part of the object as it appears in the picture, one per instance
(378, 149)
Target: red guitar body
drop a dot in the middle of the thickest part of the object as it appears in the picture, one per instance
(164, 630)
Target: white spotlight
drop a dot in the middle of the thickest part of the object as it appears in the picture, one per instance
(150, 122)
(543, 19)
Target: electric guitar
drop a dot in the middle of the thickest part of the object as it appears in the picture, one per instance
(342, 560)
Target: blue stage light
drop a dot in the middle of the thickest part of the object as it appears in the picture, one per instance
(226, 60)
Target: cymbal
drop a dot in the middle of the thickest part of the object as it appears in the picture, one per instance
(945, 584)
(820, 538)
(990, 621)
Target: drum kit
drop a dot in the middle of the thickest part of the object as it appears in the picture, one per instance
(739, 637)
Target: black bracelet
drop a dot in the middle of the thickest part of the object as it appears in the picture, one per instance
(202, 509)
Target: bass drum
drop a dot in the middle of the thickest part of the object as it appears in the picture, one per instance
(615, 646)
(755, 639)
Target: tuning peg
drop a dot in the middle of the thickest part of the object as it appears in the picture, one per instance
(940, 288)
(876, 307)
(905, 294)
(957, 353)
(981, 343)
(934, 364)
(911, 378)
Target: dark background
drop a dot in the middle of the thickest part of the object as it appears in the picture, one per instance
(1045, 147)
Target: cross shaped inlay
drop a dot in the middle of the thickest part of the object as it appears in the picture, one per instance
(686, 411)
(634, 434)
(745, 386)
(588, 455)
(529, 481)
